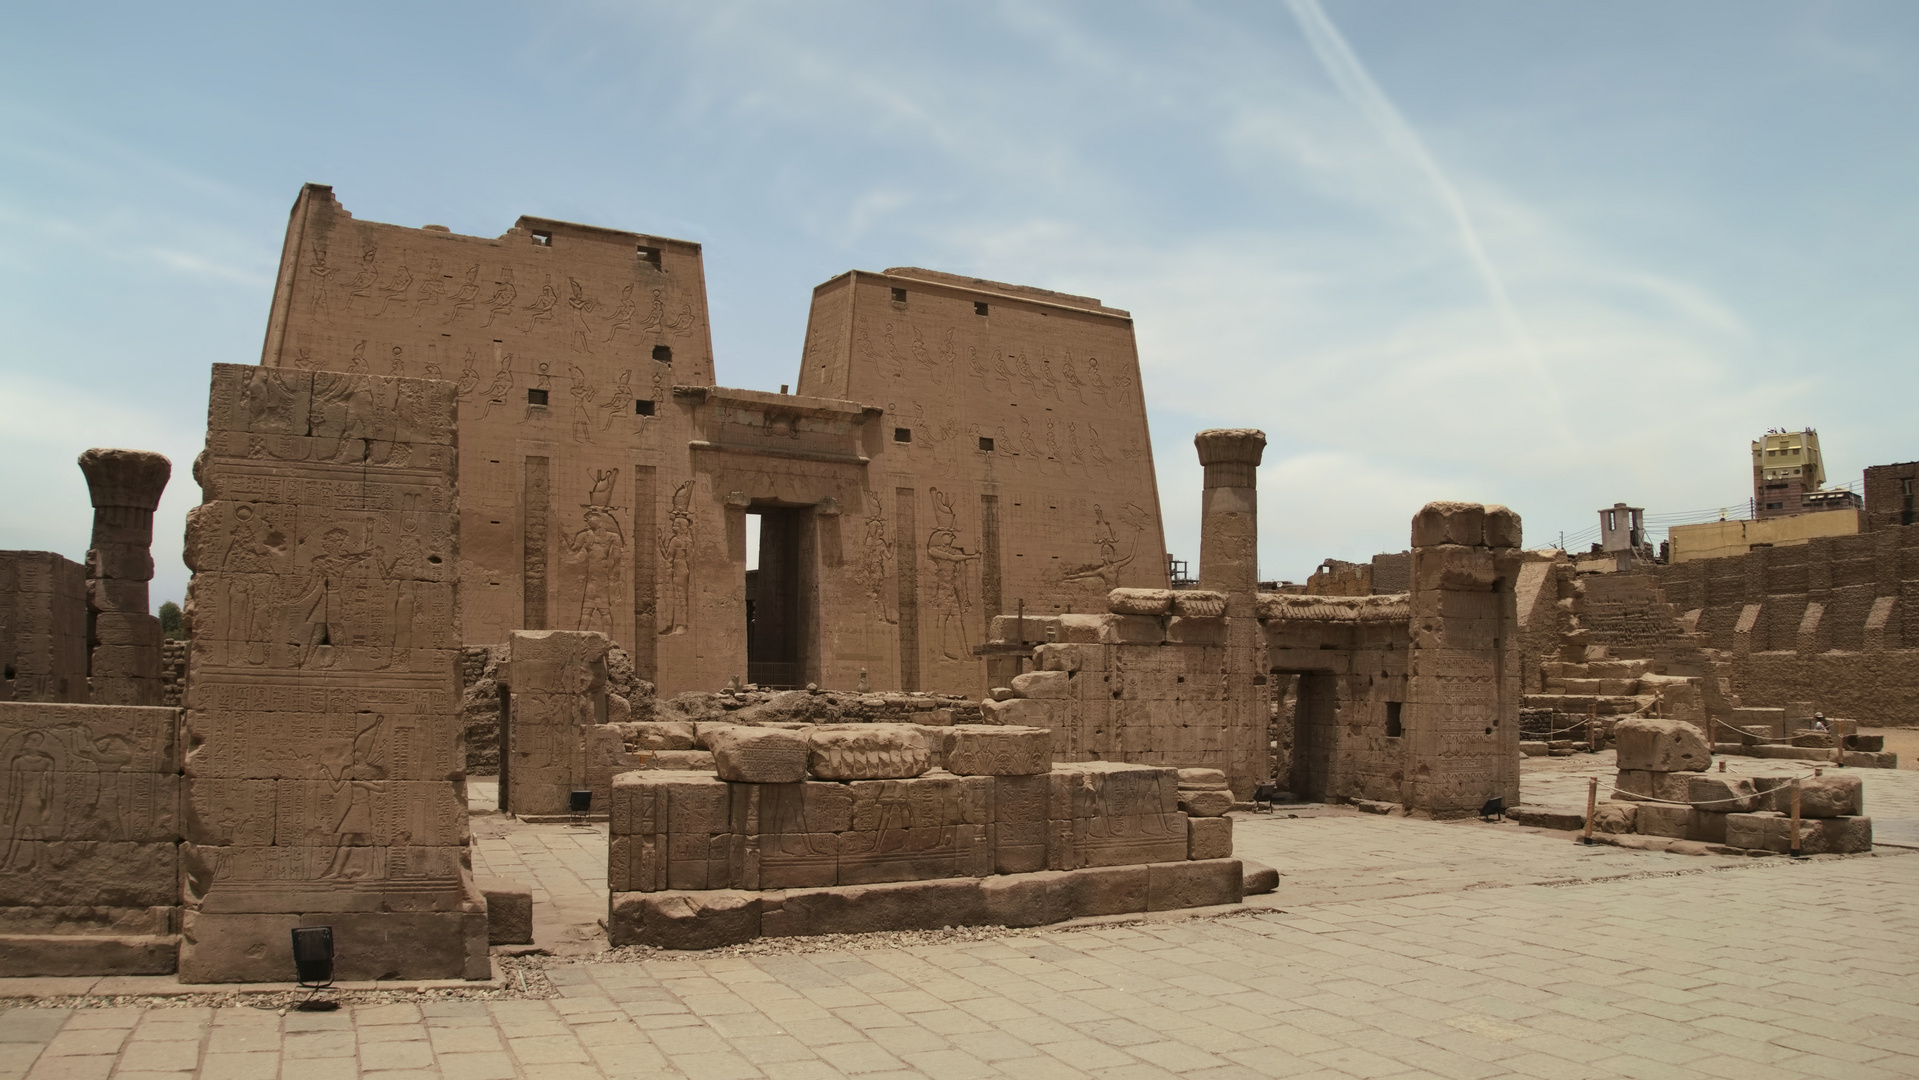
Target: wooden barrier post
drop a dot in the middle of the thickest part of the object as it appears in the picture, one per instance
(1794, 852)
(1592, 805)
(1592, 729)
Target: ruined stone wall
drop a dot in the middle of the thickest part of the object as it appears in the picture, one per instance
(89, 839)
(173, 672)
(1835, 621)
(324, 764)
(43, 627)
(1891, 491)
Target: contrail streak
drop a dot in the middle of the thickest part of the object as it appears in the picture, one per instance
(1347, 73)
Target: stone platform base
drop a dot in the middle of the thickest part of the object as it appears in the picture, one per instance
(220, 948)
(1852, 759)
(711, 918)
(88, 954)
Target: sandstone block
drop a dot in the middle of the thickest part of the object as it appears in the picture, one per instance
(678, 760)
(991, 750)
(1650, 745)
(89, 873)
(867, 752)
(1083, 629)
(1193, 884)
(1199, 603)
(861, 909)
(1614, 817)
(1196, 630)
(1131, 630)
(1531, 748)
(1657, 819)
(758, 755)
(1043, 684)
(1140, 601)
(509, 911)
(1111, 890)
(367, 945)
(1822, 797)
(1028, 899)
(1058, 657)
(1723, 794)
(27, 955)
(1461, 523)
(1209, 838)
(1031, 628)
(1707, 827)
(1202, 779)
(1503, 527)
(1017, 712)
(1636, 784)
(658, 735)
(1259, 878)
(1769, 831)
(1205, 804)
(706, 919)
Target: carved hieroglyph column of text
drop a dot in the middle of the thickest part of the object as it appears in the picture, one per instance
(125, 636)
(557, 683)
(1229, 564)
(325, 753)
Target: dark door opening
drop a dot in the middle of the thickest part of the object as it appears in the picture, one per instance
(1315, 731)
(780, 635)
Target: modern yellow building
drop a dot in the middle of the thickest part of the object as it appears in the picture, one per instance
(1717, 539)
(1786, 466)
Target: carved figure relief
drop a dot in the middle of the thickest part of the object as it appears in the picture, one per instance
(30, 801)
(361, 287)
(1071, 379)
(432, 288)
(583, 393)
(469, 380)
(322, 304)
(502, 383)
(356, 364)
(395, 290)
(355, 779)
(581, 305)
(1104, 574)
(542, 308)
(468, 292)
(500, 304)
(397, 366)
(600, 546)
(875, 552)
(622, 316)
(951, 597)
(676, 553)
(615, 405)
(332, 600)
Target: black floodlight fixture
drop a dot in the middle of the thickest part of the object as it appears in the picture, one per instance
(1495, 809)
(581, 800)
(313, 961)
(1263, 796)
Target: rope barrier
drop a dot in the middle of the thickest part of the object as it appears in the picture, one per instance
(1636, 797)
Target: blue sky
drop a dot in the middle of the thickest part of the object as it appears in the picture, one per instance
(1547, 254)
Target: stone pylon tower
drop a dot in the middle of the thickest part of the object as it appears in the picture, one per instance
(1229, 564)
(123, 634)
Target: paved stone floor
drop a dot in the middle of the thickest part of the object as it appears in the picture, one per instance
(1394, 948)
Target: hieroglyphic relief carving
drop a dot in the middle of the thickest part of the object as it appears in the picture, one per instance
(500, 304)
(676, 558)
(951, 597)
(646, 539)
(600, 546)
(875, 552)
(501, 385)
(581, 305)
(361, 287)
(464, 296)
(1104, 574)
(322, 303)
(542, 308)
(535, 499)
(583, 394)
(621, 317)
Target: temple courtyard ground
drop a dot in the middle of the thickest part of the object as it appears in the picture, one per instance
(1394, 947)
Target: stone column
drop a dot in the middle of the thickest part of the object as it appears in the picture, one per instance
(1461, 717)
(1229, 564)
(555, 683)
(125, 636)
(1229, 515)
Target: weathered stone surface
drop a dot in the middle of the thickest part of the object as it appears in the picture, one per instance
(1614, 817)
(1195, 630)
(1708, 827)
(758, 755)
(1770, 831)
(991, 750)
(706, 919)
(1532, 748)
(656, 735)
(1462, 523)
(1658, 819)
(1085, 629)
(1724, 794)
(24, 955)
(1205, 804)
(1259, 879)
(1105, 813)
(1132, 630)
(861, 909)
(1028, 899)
(1638, 784)
(677, 760)
(867, 752)
(1826, 796)
(367, 945)
(1652, 745)
(1058, 657)
(1209, 838)
(509, 911)
(1140, 601)
(1202, 779)
(1193, 884)
(1017, 712)
(1111, 890)
(1044, 684)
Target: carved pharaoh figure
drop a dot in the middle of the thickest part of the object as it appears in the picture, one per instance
(601, 547)
(950, 594)
(676, 551)
(30, 800)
